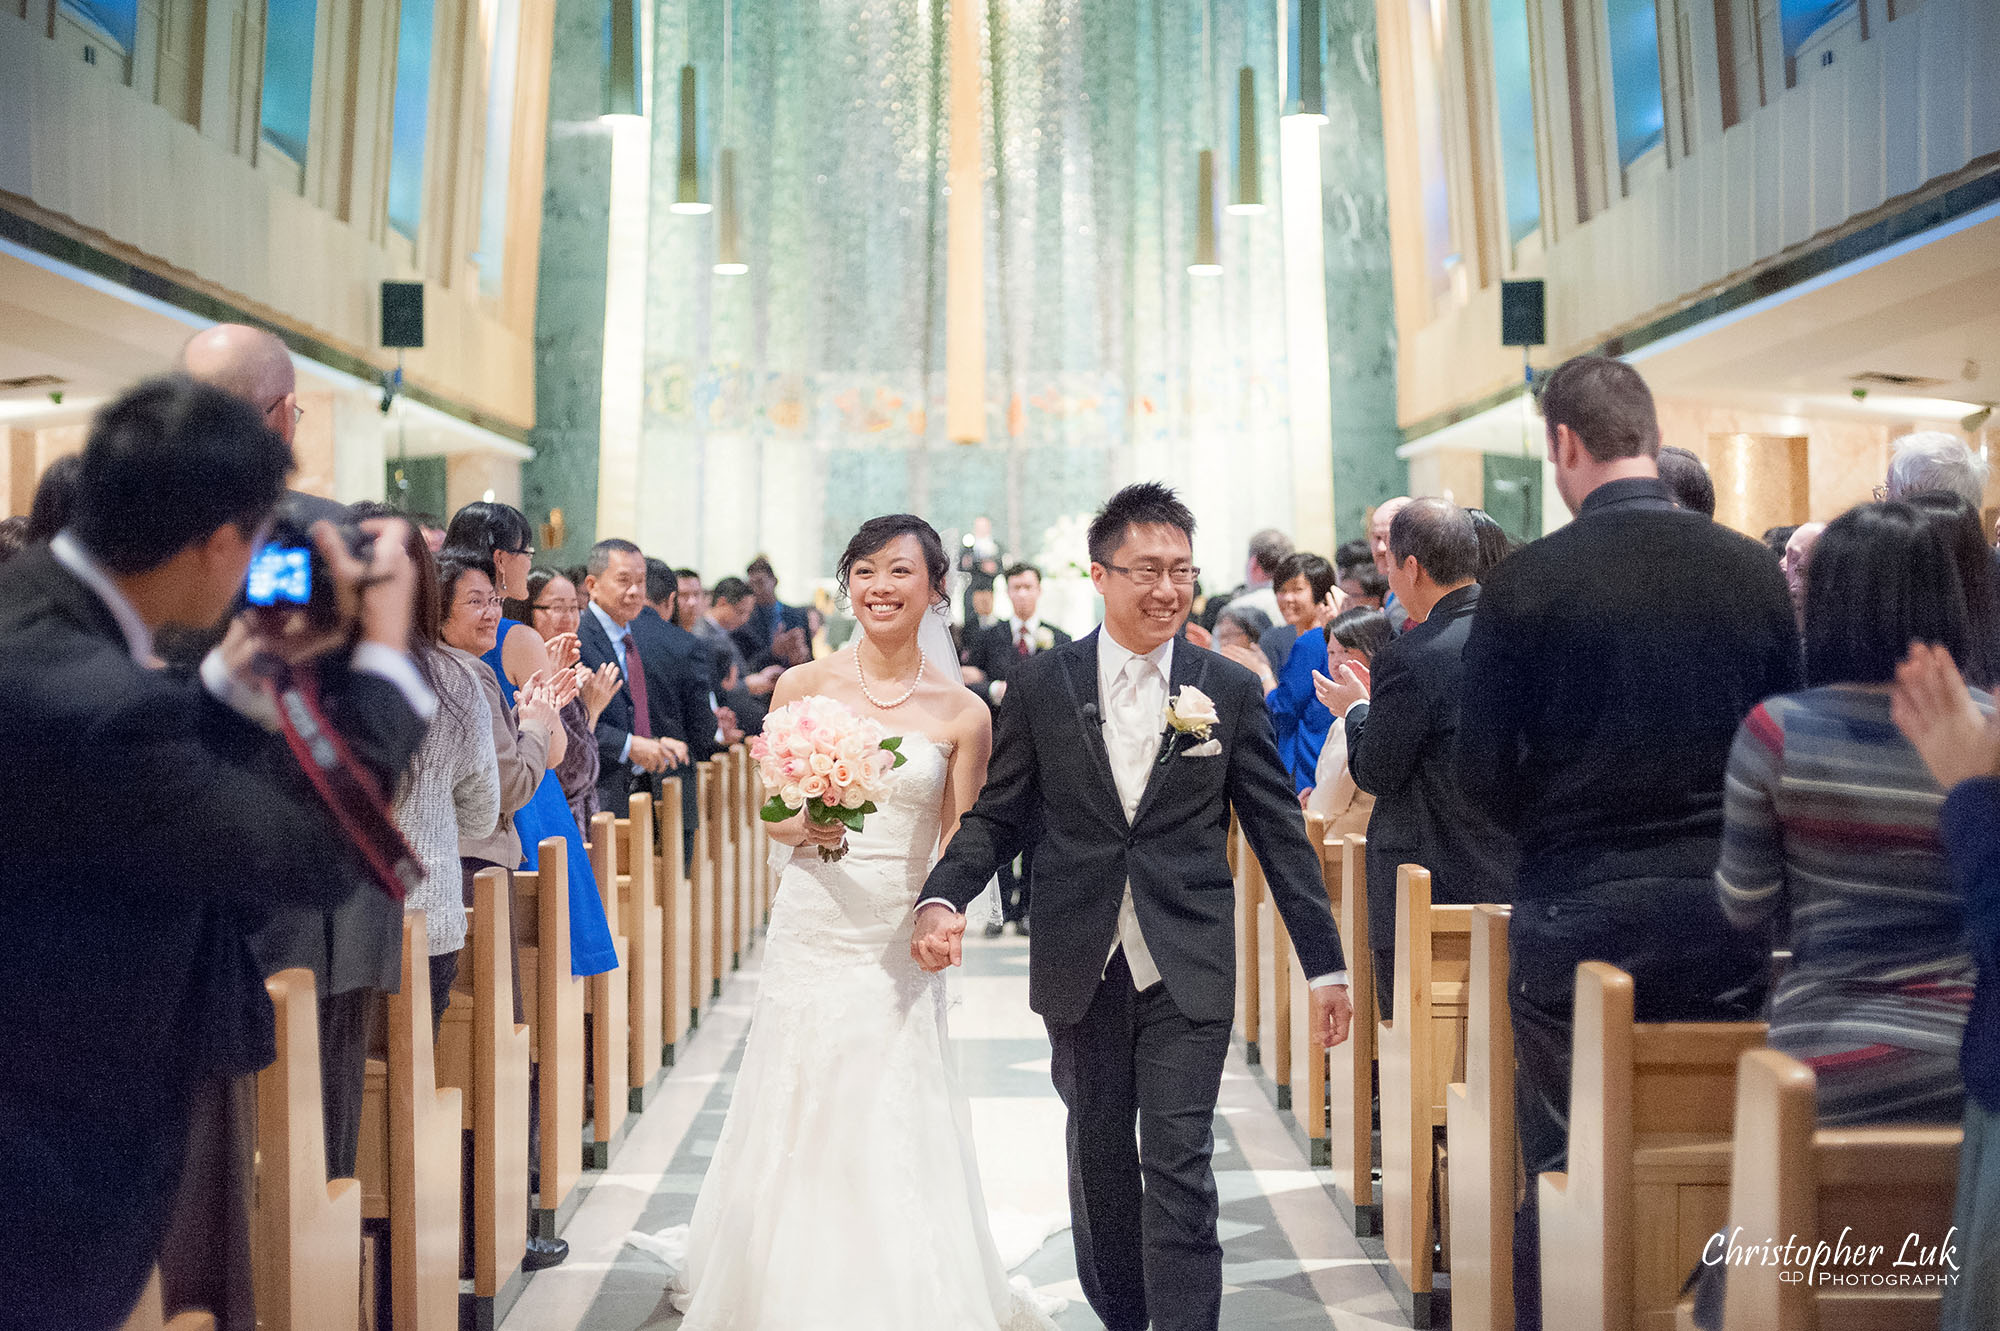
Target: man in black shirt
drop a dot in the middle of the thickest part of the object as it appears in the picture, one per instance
(1608, 667)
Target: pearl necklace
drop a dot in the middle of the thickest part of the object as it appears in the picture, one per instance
(870, 696)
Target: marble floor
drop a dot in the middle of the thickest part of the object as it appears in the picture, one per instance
(1288, 1259)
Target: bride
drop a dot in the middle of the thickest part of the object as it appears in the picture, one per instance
(844, 1192)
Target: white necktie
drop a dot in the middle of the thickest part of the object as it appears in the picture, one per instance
(1134, 739)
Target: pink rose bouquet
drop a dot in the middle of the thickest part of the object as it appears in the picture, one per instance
(817, 755)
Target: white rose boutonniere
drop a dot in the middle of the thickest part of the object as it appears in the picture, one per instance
(1191, 712)
(1044, 640)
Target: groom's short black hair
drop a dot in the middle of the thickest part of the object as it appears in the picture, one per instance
(1143, 505)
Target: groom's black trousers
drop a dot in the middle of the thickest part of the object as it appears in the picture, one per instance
(1144, 1207)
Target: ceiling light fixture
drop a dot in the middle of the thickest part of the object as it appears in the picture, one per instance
(1207, 263)
(1249, 187)
(687, 187)
(1305, 89)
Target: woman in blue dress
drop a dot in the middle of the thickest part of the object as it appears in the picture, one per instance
(1298, 718)
(500, 533)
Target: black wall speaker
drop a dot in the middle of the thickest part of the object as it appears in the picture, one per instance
(402, 314)
(1521, 313)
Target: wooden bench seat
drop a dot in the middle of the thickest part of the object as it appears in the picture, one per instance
(485, 1053)
(679, 996)
(1651, 1110)
(607, 1004)
(704, 940)
(552, 999)
(1479, 1129)
(306, 1232)
(410, 1156)
(149, 1315)
(640, 913)
(1862, 1186)
(1421, 1051)
(1350, 1079)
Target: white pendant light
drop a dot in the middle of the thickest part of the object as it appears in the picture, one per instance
(729, 223)
(1305, 88)
(1207, 262)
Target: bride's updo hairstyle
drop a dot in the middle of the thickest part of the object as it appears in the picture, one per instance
(875, 535)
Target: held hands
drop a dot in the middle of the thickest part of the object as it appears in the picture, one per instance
(1332, 1015)
(1337, 695)
(1935, 712)
(939, 939)
(1200, 636)
(597, 688)
(1332, 607)
(1253, 660)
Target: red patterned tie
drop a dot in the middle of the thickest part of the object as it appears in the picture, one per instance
(1021, 648)
(635, 680)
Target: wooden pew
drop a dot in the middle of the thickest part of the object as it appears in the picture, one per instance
(483, 1052)
(1350, 1078)
(1422, 1050)
(410, 1156)
(1864, 1187)
(607, 1000)
(763, 878)
(711, 846)
(678, 994)
(1309, 1057)
(306, 1234)
(1651, 1110)
(1479, 1129)
(149, 1315)
(553, 1002)
(722, 867)
(640, 912)
(748, 845)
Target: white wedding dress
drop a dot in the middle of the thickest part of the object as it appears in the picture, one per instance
(844, 1194)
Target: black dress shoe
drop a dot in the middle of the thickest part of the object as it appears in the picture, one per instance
(1021, 928)
(995, 930)
(544, 1253)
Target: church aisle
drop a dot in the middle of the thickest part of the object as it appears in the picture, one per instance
(1288, 1259)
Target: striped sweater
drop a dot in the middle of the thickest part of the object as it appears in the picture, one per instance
(1830, 821)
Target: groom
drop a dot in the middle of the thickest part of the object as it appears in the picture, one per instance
(1114, 766)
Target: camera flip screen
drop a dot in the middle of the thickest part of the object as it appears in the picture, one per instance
(280, 575)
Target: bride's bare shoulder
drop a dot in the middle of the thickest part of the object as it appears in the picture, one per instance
(803, 681)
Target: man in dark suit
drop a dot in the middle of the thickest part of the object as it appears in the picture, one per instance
(129, 983)
(774, 633)
(992, 656)
(679, 669)
(641, 733)
(1134, 965)
(1608, 667)
(1402, 725)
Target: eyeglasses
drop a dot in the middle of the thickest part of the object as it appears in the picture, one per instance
(1147, 575)
(478, 604)
(297, 410)
(526, 552)
(560, 607)
(1881, 493)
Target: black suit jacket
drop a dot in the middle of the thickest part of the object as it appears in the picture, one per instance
(1608, 667)
(992, 650)
(614, 724)
(1051, 780)
(1400, 750)
(148, 827)
(753, 636)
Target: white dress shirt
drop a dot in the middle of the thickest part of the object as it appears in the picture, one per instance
(1134, 691)
(619, 634)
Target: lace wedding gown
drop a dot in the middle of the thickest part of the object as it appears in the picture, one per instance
(844, 1192)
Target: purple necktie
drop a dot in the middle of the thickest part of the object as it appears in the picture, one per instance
(635, 680)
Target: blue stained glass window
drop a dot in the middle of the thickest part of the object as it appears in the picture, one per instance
(494, 176)
(1800, 19)
(119, 19)
(286, 112)
(1514, 95)
(412, 117)
(1635, 77)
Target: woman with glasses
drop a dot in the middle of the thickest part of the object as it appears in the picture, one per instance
(498, 536)
(554, 609)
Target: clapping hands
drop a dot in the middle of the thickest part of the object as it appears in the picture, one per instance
(597, 688)
(1341, 693)
(1935, 712)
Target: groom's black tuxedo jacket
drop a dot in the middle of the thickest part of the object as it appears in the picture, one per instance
(1051, 780)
